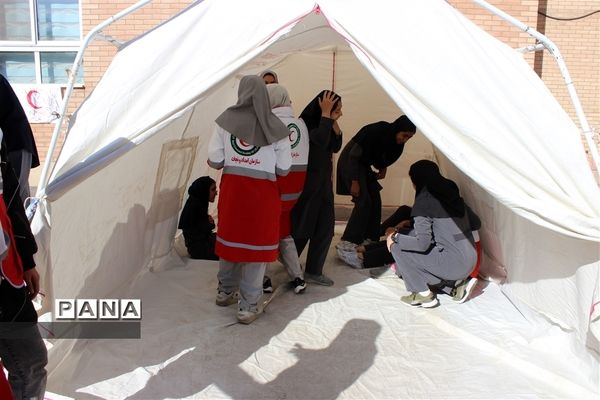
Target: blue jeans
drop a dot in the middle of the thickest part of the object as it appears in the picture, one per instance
(22, 349)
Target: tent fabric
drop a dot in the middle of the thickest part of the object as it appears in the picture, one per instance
(351, 341)
(493, 105)
(111, 206)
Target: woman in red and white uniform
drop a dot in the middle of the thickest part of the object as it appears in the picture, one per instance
(251, 145)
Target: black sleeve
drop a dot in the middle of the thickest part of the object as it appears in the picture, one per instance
(24, 239)
(321, 135)
(354, 161)
(336, 142)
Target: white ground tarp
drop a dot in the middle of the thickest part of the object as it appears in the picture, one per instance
(353, 341)
(111, 207)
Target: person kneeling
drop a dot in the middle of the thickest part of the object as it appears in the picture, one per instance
(441, 247)
(196, 223)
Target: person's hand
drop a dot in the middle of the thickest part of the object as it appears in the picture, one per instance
(211, 220)
(381, 173)
(355, 189)
(389, 242)
(326, 103)
(32, 279)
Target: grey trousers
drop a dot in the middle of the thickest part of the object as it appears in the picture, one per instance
(247, 277)
(289, 257)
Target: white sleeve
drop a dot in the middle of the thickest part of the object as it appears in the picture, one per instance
(283, 152)
(216, 148)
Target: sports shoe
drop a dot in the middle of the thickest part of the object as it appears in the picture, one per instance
(299, 285)
(267, 285)
(247, 316)
(463, 290)
(351, 258)
(345, 245)
(318, 279)
(226, 299)
(418, 300)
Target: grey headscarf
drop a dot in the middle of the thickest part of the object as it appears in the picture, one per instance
(278, 96)
(269, 72)
(251, 119)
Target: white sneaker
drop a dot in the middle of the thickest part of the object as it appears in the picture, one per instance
(463, 290)
(350, 257)
(345, 245)
(247, 316)
(226, 299)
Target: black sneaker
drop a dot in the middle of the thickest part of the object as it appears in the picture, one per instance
(267, 285)
(299, 285)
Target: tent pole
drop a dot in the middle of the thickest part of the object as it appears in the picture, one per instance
(553, 49)
(71, 83)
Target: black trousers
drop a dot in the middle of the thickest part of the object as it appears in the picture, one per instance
(377, 254)
(319, 241)
(22, 349)
(366, 214)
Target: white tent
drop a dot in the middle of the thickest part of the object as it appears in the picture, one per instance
(110, 208)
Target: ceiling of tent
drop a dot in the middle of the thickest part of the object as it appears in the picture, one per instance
(313, 57)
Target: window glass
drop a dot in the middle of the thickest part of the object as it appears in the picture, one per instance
(54, 67)
(15, 20)
(18, 67)
(58, 19)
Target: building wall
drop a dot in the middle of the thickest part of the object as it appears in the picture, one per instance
(579, 41)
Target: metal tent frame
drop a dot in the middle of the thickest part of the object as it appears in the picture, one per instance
(543, 43)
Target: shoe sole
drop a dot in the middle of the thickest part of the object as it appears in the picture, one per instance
(299, 289)
(434, 303)
(431, 304)
(468, 290)
(248, 320)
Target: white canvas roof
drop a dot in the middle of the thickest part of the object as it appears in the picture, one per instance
(110, 210)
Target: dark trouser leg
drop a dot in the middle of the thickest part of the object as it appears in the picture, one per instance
(300, 244)
(320, 241)
(376, 255)
(372, 231)
(26, 357)
(356, 228)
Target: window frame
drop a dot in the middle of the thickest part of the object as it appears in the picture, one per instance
(35, 46)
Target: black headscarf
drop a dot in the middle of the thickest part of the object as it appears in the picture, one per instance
(378, 141)
(426, 176)
(195, 211)
(311, 115)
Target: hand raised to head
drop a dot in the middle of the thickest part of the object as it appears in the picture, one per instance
(327, 102)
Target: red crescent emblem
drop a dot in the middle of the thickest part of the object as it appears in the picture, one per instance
(31, 97)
